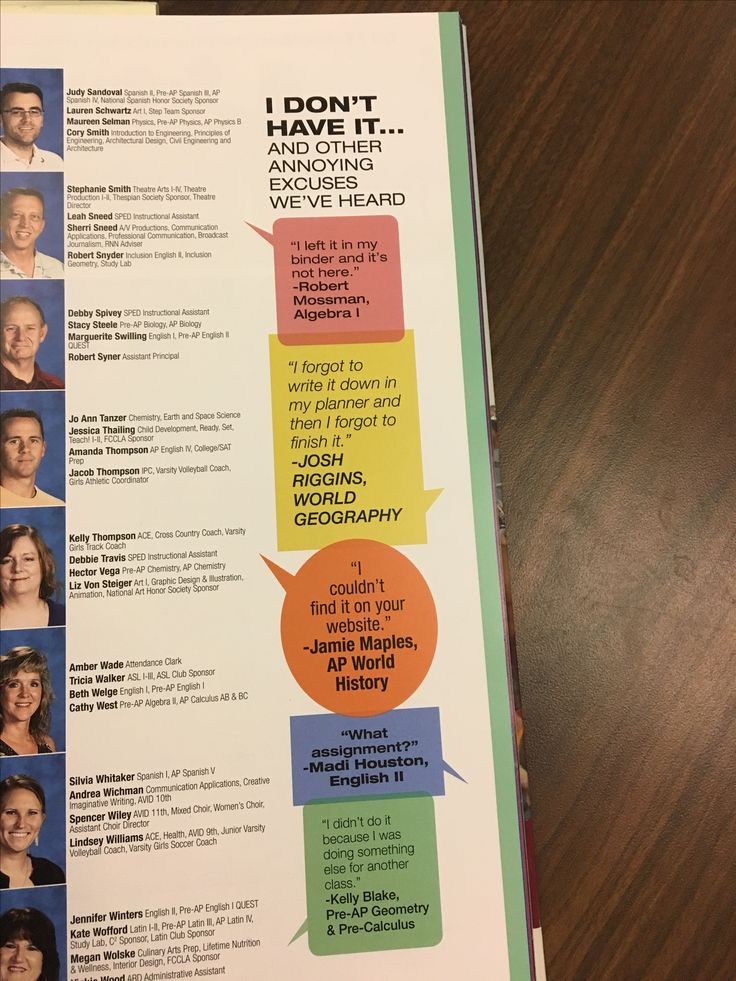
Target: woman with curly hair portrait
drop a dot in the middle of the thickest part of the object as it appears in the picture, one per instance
(25, 703)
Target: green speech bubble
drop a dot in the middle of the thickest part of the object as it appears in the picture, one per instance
(372, 877)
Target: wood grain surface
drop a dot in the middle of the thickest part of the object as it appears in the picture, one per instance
(606, 137)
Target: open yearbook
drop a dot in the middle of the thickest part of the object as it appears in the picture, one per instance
(258, 713)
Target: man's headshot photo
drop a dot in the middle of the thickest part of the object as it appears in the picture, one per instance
(22, 448)
(22, 221)
(22, 114)
(23, 329)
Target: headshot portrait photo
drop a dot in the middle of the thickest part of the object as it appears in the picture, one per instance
(32, 335)
(32, 567)
(32, 796)
(31, 120)
(32, 227)
(49, 647)
(33, 926)
(32, 450)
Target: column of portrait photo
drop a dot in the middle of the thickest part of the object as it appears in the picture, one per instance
(33, 676)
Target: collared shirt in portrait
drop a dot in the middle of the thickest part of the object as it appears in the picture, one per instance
(45, 267)
(40, 380)
(40, 160)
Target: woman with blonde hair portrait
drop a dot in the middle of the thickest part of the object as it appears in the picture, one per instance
(26, 695)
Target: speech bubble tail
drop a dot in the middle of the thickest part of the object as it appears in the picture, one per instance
(453, 773)
(430, 496)
(302, 930)
(285, 578)
(264, 234)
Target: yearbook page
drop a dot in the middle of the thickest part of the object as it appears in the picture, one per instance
(256, 694)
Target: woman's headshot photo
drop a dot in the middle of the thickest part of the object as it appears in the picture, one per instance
(22, 815)
(28, 950)
(27, 580)
(26, 694)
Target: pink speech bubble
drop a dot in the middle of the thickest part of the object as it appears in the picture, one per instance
(338, 280)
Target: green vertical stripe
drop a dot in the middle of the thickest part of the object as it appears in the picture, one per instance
(481, 470)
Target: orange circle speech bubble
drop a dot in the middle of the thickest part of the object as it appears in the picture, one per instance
(359, 627)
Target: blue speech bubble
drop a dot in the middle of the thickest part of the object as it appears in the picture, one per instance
(341, 756)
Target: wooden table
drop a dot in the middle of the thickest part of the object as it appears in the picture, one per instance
(606, 136)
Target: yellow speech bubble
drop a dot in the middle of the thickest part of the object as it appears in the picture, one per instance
(347, 448)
